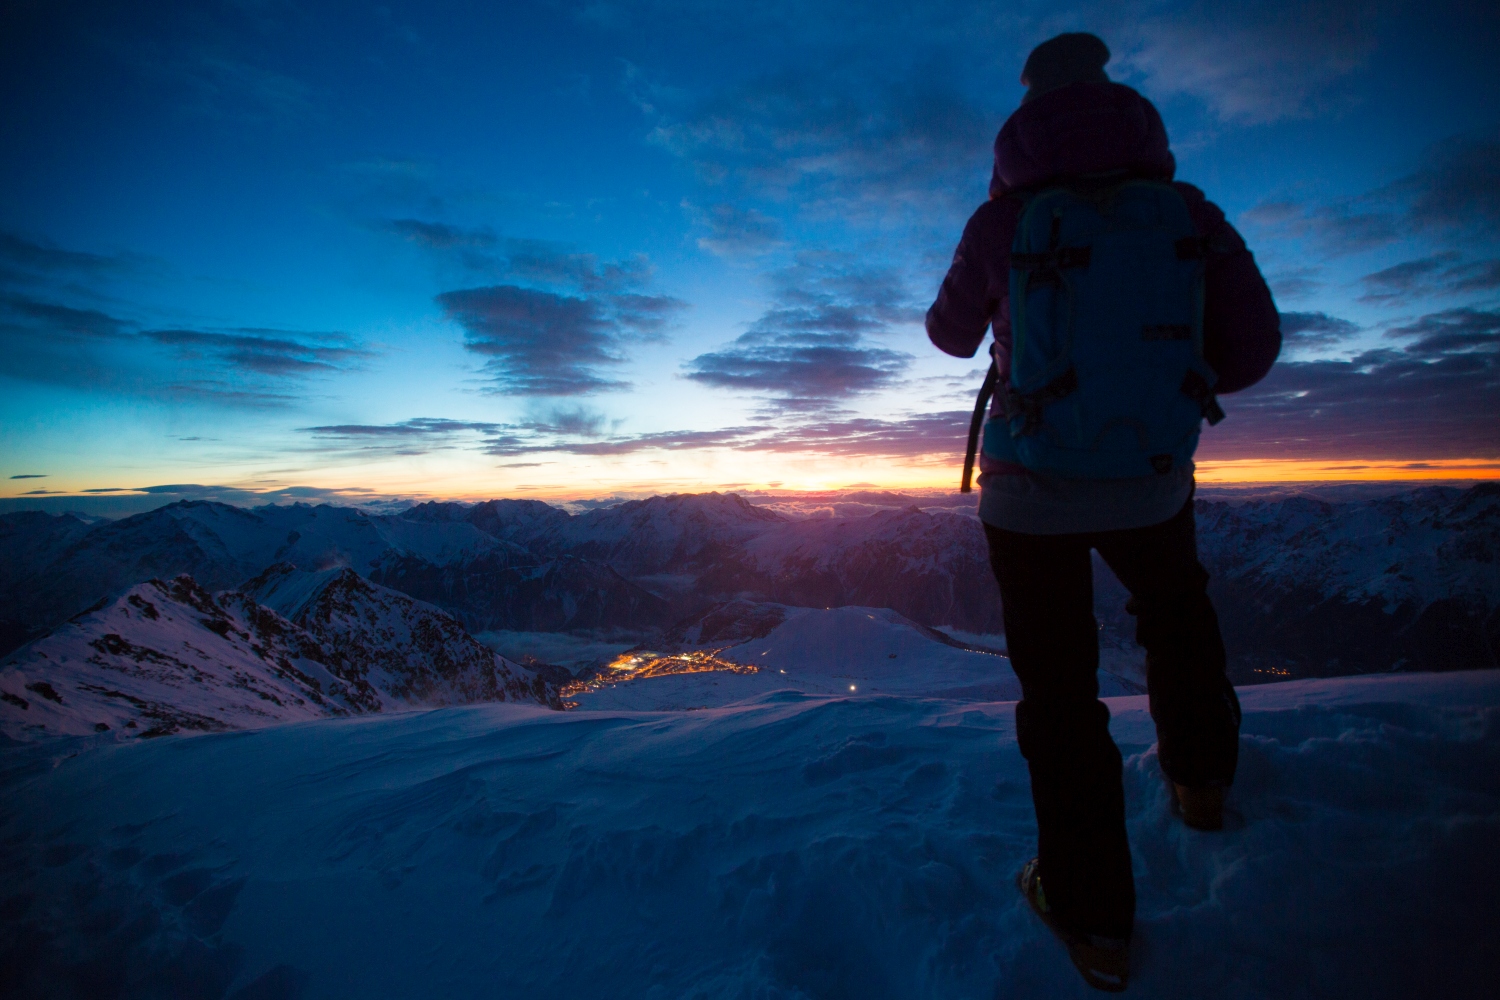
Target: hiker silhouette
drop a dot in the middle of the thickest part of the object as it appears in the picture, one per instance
(1122, 305)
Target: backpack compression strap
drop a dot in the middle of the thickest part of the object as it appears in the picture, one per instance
(991, 378)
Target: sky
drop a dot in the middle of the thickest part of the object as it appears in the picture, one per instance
(555, 249)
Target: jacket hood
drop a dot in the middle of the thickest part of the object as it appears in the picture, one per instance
(1077, 130)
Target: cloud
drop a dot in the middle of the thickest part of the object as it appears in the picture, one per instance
(666, 441)
(44, 259)
(834, 138)
(441, 236)
(576, 421)
(1295, 283)
(1452, 331)
(809, 350)
(1251, 63)
(57, 344)
(1458, 184)
(539, 343)
(734, 231)
(551, 263)
(913, 436)
(531, 261)
(31, 475)
(416, 428)
(277, 353)
(581, 431)
(554, 429)
(1439, 274)
(25, 317)
(1438, 397)
(126, 501)
(1314, 329)
(417, 436)
(1456, 189)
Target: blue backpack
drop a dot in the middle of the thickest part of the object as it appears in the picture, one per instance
(1107, 377)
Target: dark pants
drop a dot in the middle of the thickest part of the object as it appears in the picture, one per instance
(1046, 584)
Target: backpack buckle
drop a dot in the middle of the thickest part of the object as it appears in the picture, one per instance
(1196, 388)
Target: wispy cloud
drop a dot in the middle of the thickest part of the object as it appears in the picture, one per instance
(1438, 274)
(530, 261)
(735, 231)
(1304, 330)
(811, 349)
(20, 256)
(1250, 63)
(52, 343)
(267, 352)
(1436, 396)
(578, 431)
(538, 343)
(831, 138)
(1456, 189)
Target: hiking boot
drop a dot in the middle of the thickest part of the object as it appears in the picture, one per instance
(1200, 808)
(1104, 962)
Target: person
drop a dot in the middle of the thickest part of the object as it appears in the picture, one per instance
(1075, 128)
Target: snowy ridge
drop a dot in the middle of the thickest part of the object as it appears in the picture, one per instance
(1407, 581)
(412, 653)
(169, 657)
(787, 848)
(1394, 551)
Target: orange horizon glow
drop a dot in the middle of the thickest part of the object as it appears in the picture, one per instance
(908, 476)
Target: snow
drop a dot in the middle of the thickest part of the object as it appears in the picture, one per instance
(169, 656)
(789, 846)
(831, 651)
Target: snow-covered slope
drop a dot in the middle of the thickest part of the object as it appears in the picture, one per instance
(792, 848)
(1399, 581)
(168, 657)
(821, 651)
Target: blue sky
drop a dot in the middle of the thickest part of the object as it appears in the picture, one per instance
(569, 249)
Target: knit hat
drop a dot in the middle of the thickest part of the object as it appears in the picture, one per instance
(1070, 58)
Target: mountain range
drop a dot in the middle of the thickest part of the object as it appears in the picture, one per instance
(1306, 585)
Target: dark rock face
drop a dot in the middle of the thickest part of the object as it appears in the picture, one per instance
(411, 652)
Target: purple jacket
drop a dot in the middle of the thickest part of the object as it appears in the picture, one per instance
(1095, 128)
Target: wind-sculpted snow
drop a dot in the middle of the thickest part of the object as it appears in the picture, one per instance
(791, 848)
(169, 657)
